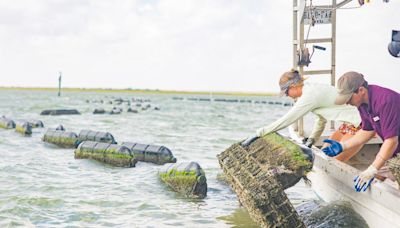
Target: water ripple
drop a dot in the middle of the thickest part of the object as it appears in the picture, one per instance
(44, 186)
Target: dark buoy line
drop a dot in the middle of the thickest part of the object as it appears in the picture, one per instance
(227, 100)
(59, 112)
(134, 105)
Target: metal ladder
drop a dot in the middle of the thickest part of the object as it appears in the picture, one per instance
(298, 42)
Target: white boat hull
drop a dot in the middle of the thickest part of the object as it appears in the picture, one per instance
(333, 180)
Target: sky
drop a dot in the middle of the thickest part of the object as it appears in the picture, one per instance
(191, 45)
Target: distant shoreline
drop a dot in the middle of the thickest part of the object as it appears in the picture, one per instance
(146, 91)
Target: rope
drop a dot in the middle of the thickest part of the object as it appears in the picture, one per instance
(337, 8)
(311, 24)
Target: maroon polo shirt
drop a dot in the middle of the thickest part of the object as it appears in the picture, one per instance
(382, 114)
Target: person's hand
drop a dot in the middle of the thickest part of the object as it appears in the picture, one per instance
(363, 181)
(308, 142)
(334, 149)
(249, 140)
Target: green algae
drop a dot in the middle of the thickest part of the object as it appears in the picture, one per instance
(24, 129)
(3, 125)
(63, 142)
(295, 158)
(61, 138)
(187, 179)
(181, 180)
(112, 154)
(6, 123)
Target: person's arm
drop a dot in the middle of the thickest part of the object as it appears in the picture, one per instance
(389, 121)
(360, 138)
(390, 124)
(318, 128)
(364, 179)
(300, 108)
(386, 152)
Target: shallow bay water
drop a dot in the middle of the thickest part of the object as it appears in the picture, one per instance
(44, 186)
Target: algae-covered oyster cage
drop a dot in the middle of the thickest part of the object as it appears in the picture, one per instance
(6, 123)
(260, 173)
(97, 136)
(186, 178)
(151, 153)
(61, 138)
(23, 127)
(288, 160)
(394, 166)
(112, 154)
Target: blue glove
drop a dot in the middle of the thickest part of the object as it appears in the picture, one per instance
(364, 179)
(334, 149)
(249, 140)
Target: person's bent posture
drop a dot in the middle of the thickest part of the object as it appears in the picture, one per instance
(379, 108)
(316, 98)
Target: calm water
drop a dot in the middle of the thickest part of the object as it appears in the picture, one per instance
(44, 186)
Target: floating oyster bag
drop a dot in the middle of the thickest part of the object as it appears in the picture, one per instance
(98, 136)
(394, 166)
(23, 127)
(260, 173)
(6, 123)
(151, 153)
(186, 178)
(85, 150)
(61, 138)
(119, 156)
(112, 154)
(36, 123)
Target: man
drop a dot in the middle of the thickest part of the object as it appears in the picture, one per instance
(379, 109)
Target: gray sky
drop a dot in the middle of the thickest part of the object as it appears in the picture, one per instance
(217, 45)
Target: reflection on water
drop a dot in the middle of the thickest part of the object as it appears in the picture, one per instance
(239, 219)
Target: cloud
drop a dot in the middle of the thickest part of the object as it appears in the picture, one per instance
(185, 45)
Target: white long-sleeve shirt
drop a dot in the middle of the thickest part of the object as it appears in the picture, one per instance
(319, 99)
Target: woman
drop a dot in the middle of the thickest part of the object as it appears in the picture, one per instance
(318, 99)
